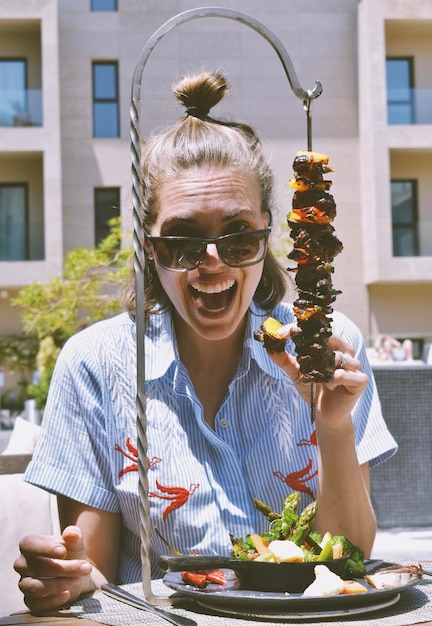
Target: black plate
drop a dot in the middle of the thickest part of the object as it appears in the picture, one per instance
(231, 600)
(256, 575)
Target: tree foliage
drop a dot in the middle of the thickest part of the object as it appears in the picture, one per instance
(88, 290)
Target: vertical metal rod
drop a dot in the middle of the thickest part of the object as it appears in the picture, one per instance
(139, 257)
(307, 105)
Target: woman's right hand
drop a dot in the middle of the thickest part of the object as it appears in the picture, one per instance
(54, 570)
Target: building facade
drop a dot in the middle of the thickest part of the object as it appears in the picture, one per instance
(66, 71)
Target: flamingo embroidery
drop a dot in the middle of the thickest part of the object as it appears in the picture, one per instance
(309, 442)
(177, 495)
(132, 455)
(297, 480)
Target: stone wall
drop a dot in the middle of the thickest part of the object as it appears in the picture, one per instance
(402, 487)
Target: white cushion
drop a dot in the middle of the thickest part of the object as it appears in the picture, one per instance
(24, 510)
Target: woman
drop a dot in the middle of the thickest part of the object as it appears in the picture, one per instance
(227, 422)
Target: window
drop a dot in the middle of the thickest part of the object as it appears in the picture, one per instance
(105, 99)
(404, 217)
(400, 91)
(13, 222)
(107, 206)
(103, 5)
(13, 92)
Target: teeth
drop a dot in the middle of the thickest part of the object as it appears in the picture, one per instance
(213, 288)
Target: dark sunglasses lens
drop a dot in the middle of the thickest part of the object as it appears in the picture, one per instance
(191, 254)
(243, 249)
(178, 254)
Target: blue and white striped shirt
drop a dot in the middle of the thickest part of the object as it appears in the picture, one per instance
(201, 481)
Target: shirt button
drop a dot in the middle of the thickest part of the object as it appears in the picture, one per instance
(224, 423)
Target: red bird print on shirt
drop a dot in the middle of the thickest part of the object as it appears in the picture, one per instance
(133, 456)
(177, 495)
(297, 480)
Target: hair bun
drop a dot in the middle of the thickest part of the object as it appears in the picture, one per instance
(200, 92)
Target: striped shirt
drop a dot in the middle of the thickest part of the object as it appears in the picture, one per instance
(201, 481)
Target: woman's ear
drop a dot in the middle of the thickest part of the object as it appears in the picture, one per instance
(148, 249)
(267, 219)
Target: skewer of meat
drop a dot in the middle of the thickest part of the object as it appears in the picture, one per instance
(314, 248)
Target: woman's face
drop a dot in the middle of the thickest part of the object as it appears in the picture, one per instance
(213, 298)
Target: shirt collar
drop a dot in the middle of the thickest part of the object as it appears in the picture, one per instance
(161, 346)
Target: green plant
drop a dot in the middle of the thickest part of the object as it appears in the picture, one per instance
(88, 290)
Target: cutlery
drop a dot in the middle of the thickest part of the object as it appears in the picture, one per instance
(116, 592)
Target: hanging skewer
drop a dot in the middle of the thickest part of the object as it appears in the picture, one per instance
(138, 236)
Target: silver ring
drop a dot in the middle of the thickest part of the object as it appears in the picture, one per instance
(342, 360)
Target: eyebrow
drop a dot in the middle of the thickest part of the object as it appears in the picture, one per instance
(184, 219)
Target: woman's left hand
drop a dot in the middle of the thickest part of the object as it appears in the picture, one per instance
(336, 398)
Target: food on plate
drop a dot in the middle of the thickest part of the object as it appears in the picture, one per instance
(268, 335)
(353, 586)
(314, 249)
(326, 583)
(302, 543)
(201, 578)
(285, 551)
(394, 576)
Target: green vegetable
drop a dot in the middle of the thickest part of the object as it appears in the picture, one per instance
(326, 552)
(354, 567)
(304, 523)
(298, 528)
(266, 510)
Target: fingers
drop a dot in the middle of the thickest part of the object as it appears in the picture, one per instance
(44, 567)
(74, 543)
(42, 545)
(347, 375)
(53, 570)
(48, 594)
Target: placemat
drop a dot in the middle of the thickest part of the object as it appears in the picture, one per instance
(414, 606)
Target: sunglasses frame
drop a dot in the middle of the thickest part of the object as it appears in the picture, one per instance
(206, 241)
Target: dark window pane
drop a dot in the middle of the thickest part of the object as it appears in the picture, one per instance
(404, 243)
(13, 90)
(399, 91)
(107, 206)
(105, 100)
(399, 113)
(404, 217)
(402, 202)
(398, 79)
(13, 223)
(105, 81)
(104, 5)
(105, 120)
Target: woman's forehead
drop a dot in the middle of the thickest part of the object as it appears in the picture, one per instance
(214, 188)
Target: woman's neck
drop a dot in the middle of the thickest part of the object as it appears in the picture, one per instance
(211, 364)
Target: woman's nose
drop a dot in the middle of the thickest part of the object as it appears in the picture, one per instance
(211, 256)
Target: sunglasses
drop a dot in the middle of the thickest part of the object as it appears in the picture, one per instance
(181, 254)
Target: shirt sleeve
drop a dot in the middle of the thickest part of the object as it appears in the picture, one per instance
(374, 442)
(72, 457)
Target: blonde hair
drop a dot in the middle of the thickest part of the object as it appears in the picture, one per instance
(195, 140)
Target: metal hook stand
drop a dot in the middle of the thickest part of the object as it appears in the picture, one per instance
(138, 236)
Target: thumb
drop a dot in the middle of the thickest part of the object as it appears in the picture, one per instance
(74, 543)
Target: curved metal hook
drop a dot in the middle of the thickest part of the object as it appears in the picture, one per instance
(238, 17)
(138, 236)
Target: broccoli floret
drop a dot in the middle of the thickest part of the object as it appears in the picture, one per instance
(354, 567)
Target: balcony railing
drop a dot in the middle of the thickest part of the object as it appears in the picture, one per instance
(21, 108)
(413, 106)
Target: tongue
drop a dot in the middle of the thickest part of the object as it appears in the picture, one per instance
(214, 301)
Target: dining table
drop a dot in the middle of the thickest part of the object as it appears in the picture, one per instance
(413, 606)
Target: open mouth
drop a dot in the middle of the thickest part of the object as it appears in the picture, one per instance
(215, 297)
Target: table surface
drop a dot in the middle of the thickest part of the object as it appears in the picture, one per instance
(65, 618)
